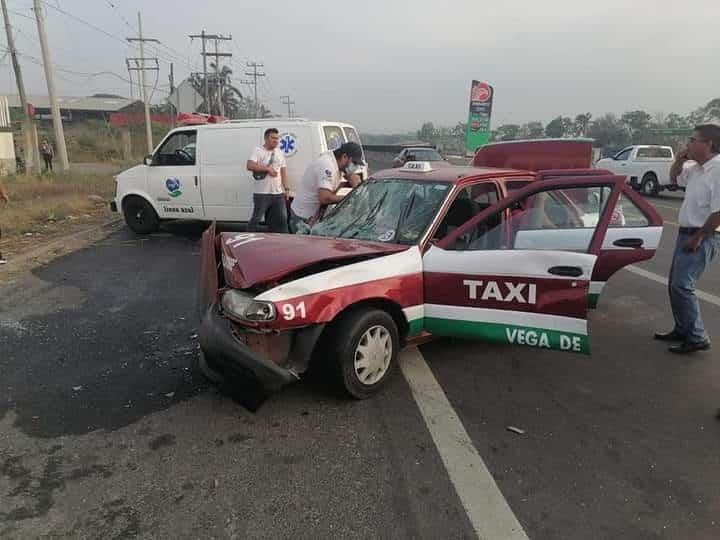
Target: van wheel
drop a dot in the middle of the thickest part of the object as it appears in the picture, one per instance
(364, 351)
(650, 185)
(140, 216)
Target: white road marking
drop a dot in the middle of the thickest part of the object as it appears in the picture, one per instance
(702, 295)
(487, 509)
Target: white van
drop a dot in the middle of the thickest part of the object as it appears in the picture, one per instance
(199, 172)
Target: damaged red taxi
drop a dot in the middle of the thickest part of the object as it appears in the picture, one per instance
(490, 254)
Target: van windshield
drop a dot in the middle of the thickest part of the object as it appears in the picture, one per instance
(390, 210)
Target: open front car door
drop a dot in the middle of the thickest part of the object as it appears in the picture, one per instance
(520, 271)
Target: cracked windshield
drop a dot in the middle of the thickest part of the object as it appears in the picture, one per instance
(393, 211)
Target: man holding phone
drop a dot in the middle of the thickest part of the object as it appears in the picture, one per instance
(697, 168)
(269, 175)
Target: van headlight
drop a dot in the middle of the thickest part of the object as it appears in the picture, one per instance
(242, 307)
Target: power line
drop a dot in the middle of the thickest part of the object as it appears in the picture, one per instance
(38, 62)
(122, 17)
(83, 21)
(255, 74)
(169, 54)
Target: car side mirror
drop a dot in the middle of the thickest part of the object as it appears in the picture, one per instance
(148, 160)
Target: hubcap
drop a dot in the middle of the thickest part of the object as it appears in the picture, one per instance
(649, 186)
(373, 354)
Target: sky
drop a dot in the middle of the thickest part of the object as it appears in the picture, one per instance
(387, 67)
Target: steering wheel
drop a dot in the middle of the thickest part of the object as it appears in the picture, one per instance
(184, 155)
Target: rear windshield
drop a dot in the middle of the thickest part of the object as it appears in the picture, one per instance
(515, 185)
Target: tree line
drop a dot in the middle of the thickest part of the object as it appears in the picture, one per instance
(610, 132)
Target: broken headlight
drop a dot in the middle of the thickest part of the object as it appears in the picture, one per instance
(242, 307)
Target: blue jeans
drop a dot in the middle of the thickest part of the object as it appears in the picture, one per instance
(686, 269)
(272, 208)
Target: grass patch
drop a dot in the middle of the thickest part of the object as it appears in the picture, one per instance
(41, 200)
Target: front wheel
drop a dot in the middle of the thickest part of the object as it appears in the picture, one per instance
(650, 185)
(365, 351)
(140, 216)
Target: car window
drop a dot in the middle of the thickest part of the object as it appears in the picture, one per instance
(516, 185)
(352, 135)
(654, 152)
(334, 137)
(627, 214)
(427, 155)
(624, 155)
(177, 150)
(469, 202)
(554, 219)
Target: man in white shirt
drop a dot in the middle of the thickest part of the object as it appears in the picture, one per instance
(269, 176)
(698, 242)
(321, 180)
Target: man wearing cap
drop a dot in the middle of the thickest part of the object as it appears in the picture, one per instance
(320, 182)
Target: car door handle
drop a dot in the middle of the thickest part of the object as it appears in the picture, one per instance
(629, 243)
(196, 180)
(566, 271)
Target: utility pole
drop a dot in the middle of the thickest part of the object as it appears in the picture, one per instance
(32, 154)
(204, 36)
(132, 84)
(285, 100)
(50, 78)
(142, 69)
(255, 74)
(218, 82)
(173, 108)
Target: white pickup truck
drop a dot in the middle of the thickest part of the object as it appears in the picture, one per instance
(647, 167)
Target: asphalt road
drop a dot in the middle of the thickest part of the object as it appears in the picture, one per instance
(106, 431)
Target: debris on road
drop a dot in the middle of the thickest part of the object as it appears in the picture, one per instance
(516, 430)
(77, 388)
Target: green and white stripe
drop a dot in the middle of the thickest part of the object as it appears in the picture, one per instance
(596, 289)
(531, 329)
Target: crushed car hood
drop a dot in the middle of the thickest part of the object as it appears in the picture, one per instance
(251, 259)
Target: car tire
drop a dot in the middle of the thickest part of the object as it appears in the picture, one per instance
(206, 371)
(364, 351)
(650, 185)
(140, 216)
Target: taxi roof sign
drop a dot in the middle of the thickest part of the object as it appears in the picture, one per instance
(418, 166)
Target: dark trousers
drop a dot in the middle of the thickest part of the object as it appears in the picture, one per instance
(48, 162)
(272, 209)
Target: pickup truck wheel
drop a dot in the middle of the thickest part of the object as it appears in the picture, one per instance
(650, 185)
(365, 351)
(140, 216)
